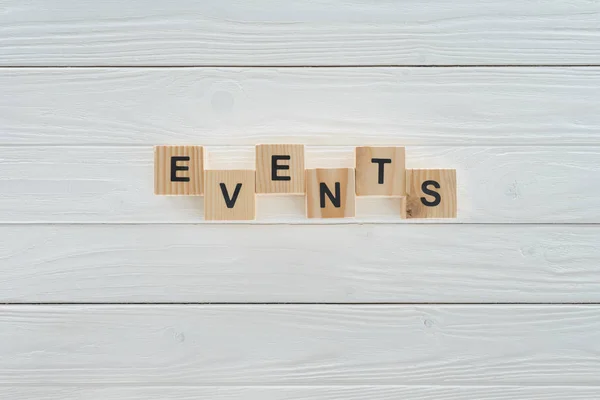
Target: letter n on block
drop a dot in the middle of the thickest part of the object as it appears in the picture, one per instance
(280, 168)
(229, 195)
(431, 193)
(330, 193)
(179, 170)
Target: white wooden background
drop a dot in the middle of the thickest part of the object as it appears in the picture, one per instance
(109, 292)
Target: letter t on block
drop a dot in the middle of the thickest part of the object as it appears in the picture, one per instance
(280, 168)
(380, 171)
(330, 193)
(179, 170)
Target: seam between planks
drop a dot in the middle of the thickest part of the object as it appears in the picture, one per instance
(374, 304)
(255, 222)
(312, 66)
(332, 146)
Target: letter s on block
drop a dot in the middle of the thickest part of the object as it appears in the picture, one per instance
(437, 198)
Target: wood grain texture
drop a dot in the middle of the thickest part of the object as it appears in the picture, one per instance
(285, 162)
(115, 184)
(184, 177)
(431, 193)
(330, 193)
(380, 171)
(270, 32)
(251, 345)
(355, 392)
(402, 205)
(318, 264)
(317, 106)
(229, 195)
(76, 153)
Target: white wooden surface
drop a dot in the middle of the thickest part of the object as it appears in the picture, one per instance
(314, 32)
(258, 345)
(79, 223)
(512, 184)
(299, 264)
(318, 106)
(339, 392)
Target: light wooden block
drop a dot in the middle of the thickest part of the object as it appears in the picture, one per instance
(229, 195)
(380, 171)
(280, 168)
(431, 193)
(179, 170)
(330, 193)
(403, 207)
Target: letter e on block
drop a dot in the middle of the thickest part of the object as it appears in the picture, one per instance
(380, 171)
(330, 193)
(229, 195)
(179, 170)
(280, 168)
(431, 193)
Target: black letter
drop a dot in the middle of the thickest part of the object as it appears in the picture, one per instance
(275, 167)
(230, 202)
(336, 201)
(381, 162)
(175, 168)
(430, 192)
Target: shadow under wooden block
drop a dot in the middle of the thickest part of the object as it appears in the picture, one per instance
(379, 208)
(280, 207)
(380, 171)
(229, 195)
(179, 170)
(330, 193)
(431, 193)
(280, 168)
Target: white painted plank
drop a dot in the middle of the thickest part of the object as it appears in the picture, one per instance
(318, 106)
(315, 32)
(299, 264)
(115, 184)
(251, 345)
(383, 392)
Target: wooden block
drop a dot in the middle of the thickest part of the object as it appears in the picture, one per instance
(330, 193)
(431, 193)
(229, 195)
(380, 171)
(280, 168)
(179, 170)
(403, 207)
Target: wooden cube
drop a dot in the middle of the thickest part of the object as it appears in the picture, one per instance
(330, 193)
(380, 171)
(280, 168)
(431, 193)
(179, 170)
(403, 207)
(229, 195)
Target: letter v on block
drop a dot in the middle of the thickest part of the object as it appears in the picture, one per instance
(230, 201)
(229, 195)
